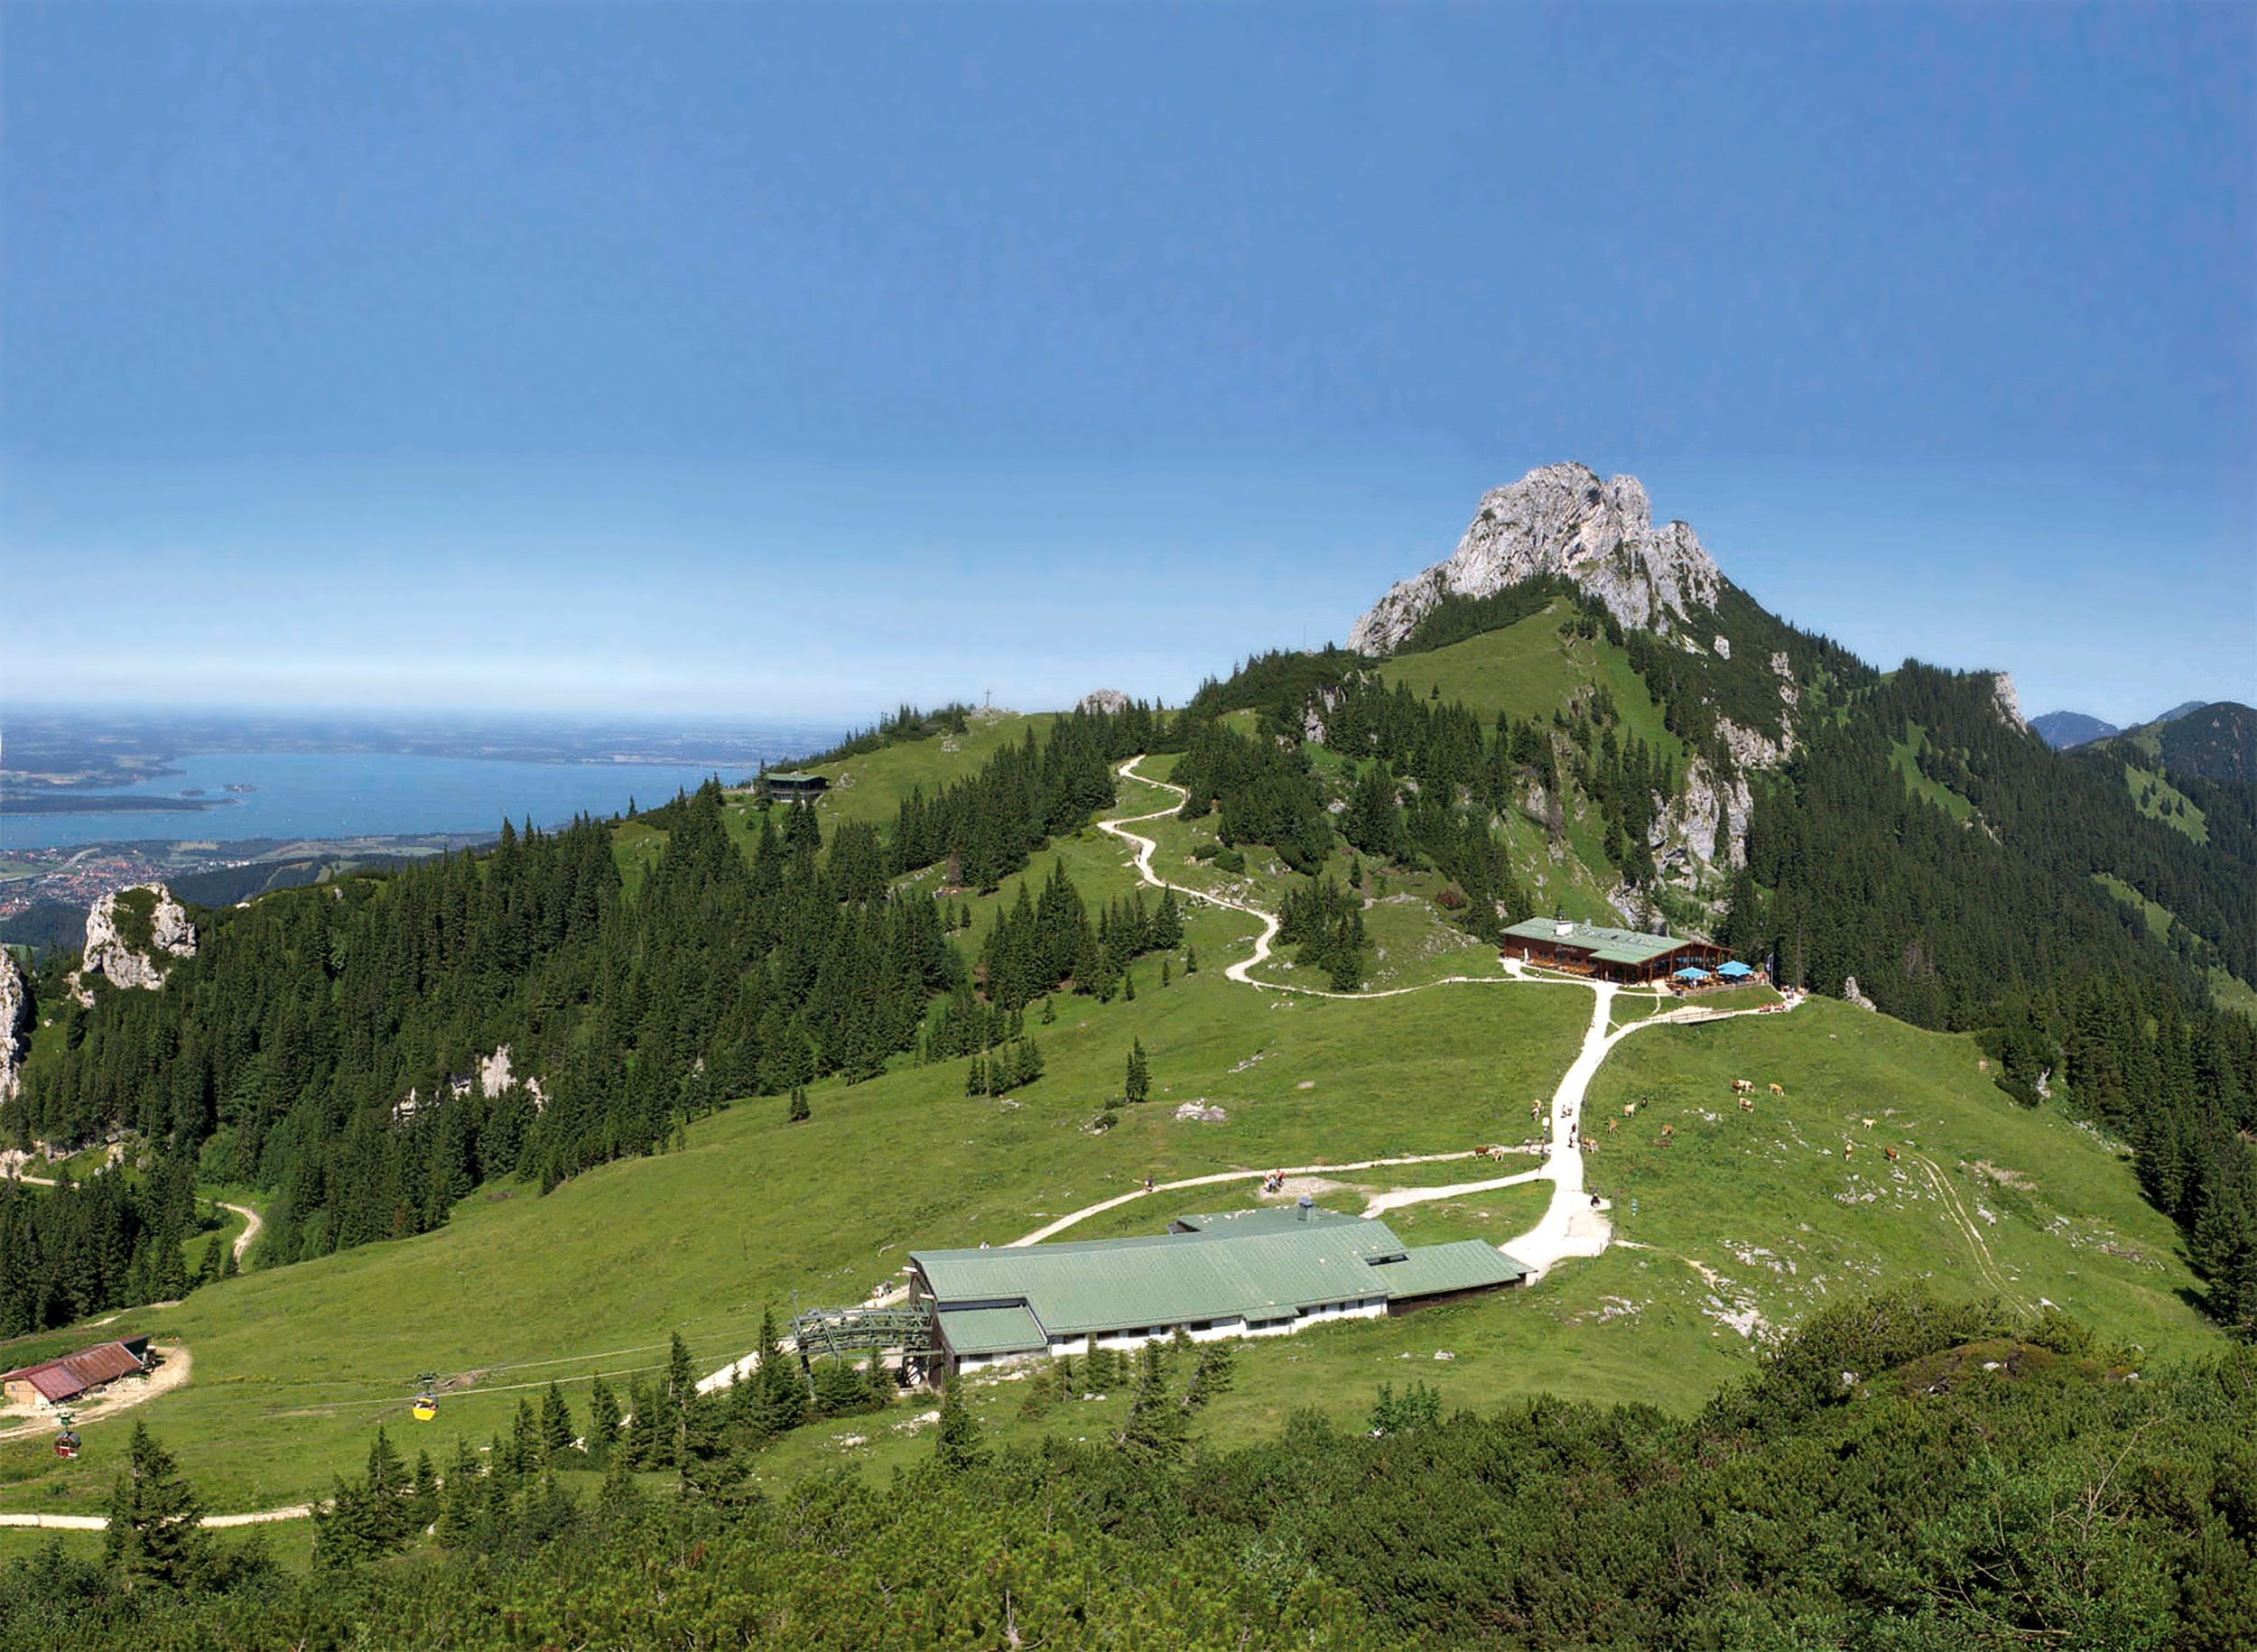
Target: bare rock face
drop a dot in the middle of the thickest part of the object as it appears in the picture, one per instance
(1561, 519)
(16, 1026)
(1852, 994)
(1104, 699)
(2002, 696)
(127, 936)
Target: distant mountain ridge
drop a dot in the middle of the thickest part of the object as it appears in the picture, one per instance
(2063, 730)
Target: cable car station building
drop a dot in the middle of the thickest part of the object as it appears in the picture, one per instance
(1266, 1272)
(1622, 955)
(783, 788)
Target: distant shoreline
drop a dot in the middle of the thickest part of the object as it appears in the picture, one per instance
(106, 802)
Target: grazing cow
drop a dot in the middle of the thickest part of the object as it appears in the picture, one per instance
(1846, 1149)
(1890, 1154)
(1610, 1126)
(1741, 1087)
(1777, 1089)
(1668, 1129)
(1629, 1108)
(1747, 1104)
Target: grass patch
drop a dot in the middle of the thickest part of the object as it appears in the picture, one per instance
(1768, 1202)
(2159, 800)
(1905, 754)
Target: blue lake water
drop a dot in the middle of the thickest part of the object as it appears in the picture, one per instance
(350, 795)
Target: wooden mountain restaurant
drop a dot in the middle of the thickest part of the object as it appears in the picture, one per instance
(1609, 954)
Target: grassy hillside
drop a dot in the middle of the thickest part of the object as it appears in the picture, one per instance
(1533, 669)
(1984, 1197)
(294, 1368)
(2158, 799)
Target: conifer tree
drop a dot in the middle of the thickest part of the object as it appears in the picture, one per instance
(603, 1418)
(782, 1405)
(1138, 1083)
(155, 1534)
(1211, 1375)
(459, 1500)
(681, 1395)
(799, 1113)
(957, 1443)
(525, 1439)
(620, 1501)
(639, 1432)
(386, 1485)
(556, 1422)
(1154, 1427)
(422, 1504)
(1191, 961)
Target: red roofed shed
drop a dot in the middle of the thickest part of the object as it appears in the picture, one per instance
(58, 1381)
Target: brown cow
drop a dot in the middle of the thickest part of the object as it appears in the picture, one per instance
(1741, 1087)
(1890, 1152)
(1668, 1129)
(1846, 1149)
(1777, 1091)
(1747, 1104)
(1611, 1124)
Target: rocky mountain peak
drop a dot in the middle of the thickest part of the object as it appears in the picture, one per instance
(1562, 520)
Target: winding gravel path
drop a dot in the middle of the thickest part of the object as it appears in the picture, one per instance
(1575, 1224)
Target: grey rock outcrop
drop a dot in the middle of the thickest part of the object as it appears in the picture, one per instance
(1850, 994)
(2002, 696)
(16, 1026)
(1560, 519)
(110, 954)
(1104, 699)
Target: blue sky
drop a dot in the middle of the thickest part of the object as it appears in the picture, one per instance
(768, 361)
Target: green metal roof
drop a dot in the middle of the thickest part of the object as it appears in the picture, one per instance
(1464, 1266)
(991, 1330)
(1255, 1265)
(1168, 1279)
(1624, 946)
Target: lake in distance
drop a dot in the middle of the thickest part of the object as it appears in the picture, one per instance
(353, 794)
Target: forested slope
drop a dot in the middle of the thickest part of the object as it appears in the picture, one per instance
(324, 1045)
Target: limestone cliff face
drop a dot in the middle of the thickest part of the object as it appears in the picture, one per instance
(2009, 704)
(16, 1026)
(1563, 520)
(116, 951)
